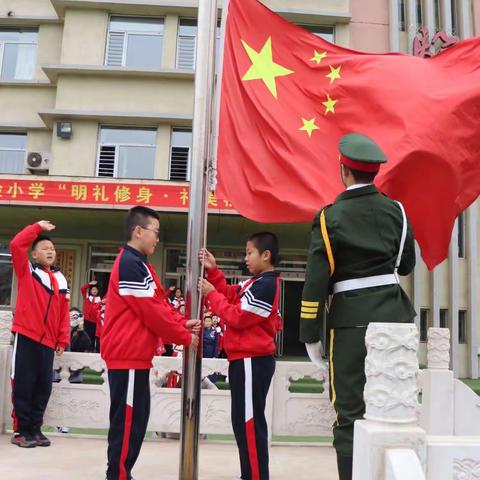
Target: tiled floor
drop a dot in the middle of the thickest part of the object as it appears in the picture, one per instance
(74, 459)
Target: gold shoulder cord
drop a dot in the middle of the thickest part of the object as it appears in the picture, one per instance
(326, 241)
(310, 309)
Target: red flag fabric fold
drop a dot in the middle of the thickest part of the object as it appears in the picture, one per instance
(288, 96)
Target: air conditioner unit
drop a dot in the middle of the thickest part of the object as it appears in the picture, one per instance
(37, 161)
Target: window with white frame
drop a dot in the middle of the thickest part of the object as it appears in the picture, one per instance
(186, 43)
(18, 52)
(127, 152)
(325, 32)
(6, 275)
(135, 42)
(12, 152)
(180, 154)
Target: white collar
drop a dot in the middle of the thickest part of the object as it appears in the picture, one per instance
(358, 185)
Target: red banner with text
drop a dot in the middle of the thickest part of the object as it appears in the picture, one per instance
(88, 194)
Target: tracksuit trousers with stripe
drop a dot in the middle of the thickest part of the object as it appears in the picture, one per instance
(31, 379)
(250, 380)
(129, 414)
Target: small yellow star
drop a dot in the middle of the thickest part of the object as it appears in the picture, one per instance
(329, 105)
(318, 57)
(309, 126)
(263, 67)
(334, 73)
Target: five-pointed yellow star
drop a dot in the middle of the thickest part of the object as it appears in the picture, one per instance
(318, 57)
(309, 126)
(329, 105)
(263, 67)
(334, 73)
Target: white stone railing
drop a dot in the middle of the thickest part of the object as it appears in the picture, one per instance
(87, 405)
(301, 413)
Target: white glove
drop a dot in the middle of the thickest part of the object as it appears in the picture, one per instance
(315, 352)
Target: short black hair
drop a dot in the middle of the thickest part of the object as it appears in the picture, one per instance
(362, 177)
(138, 216)
(264, 241)
(39, 239)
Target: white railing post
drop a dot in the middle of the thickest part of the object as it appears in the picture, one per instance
(391, 402)
(437, 413)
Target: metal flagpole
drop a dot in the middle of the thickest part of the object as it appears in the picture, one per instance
(212, 172)
(197, 220)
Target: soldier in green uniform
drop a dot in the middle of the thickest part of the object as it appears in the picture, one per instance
(359, 245)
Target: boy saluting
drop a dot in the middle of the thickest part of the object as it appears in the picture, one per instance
(41, 325)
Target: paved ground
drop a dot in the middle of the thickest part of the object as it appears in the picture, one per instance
(75, 459)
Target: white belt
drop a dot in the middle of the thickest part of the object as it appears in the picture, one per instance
(365, 282)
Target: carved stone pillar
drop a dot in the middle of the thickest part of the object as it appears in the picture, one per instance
(437, 413)
(391, 368)
(390, 427)
(5, 326)
(438, 348)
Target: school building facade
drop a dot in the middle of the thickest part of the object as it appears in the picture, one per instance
(96, 101)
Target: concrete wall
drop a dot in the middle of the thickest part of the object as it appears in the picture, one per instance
(162, 160)
(39, 141)
(308, 5)
(49, 47)
(84, 37)
(28, 8)
(156, 95)
(476, 17)
(20, 104)
(369, 28)
(170, 41)
(76, 156)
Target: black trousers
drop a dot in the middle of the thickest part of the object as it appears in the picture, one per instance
(91, 328)
(31, 377)
(129, 413)
(347, 382)
(250, 380)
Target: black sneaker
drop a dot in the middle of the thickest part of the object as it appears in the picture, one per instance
(23, 440)
(41, 440)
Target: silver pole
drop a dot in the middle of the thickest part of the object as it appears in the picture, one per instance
(197, 220)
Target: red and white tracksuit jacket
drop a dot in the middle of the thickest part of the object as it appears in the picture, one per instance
(249, 311)
(137, 314)
(42, 308)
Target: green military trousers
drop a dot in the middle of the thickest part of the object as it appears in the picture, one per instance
(347, 382)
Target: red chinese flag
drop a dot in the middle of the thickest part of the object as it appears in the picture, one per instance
(288, 96)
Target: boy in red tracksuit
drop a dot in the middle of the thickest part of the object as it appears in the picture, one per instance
(91, 305)
(250, 313)
(41, 325)
(136, 315)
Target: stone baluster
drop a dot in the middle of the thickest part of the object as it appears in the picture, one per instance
(391, 405)
(437, 413)
(391, 368)
(438, 348)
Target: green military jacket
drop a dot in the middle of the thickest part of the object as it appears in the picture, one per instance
(364, 228)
